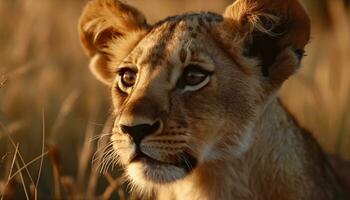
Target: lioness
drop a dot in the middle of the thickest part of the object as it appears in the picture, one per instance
(195, 96)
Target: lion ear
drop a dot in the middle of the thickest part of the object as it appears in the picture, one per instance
(268, 28)
(106, 24)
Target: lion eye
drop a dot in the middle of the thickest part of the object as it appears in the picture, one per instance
(193, 78)
(128, 77)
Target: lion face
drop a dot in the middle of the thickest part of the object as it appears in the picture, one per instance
(172, 101)
(183, 89)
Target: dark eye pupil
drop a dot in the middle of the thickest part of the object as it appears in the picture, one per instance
(194, 78)
(129, 78)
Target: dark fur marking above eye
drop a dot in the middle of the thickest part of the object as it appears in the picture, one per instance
(194, 35)
(157, 53)
(200, 21)
(183, 55)
(209, 19)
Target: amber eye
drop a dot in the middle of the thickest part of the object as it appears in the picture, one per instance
(128, 78)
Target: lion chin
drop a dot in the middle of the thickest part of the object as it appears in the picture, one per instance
(144, 169)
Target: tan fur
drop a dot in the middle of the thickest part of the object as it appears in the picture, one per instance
(106, 20)
(242, 142)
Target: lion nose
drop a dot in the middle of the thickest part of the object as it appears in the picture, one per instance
(138, 132)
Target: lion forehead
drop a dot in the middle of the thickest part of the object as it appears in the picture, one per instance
(171, 36)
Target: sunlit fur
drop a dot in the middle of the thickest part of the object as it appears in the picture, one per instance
(247, 146)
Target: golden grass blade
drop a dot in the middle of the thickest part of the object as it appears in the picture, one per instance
(22, 181)
(86, 153)
(341, 22)
(3, 81)
(33, 191)
(12, 128)
(70, 187)
(4, 156)
(42, 152)
(65, 109)
(11, 168)
(114, 185)
(56, 165)
(28, 164)
(7, 133)
(12, 75)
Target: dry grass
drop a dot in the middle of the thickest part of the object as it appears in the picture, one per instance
(43, 68)
(320, 94)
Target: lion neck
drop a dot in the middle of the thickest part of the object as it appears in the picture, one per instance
(274, 152)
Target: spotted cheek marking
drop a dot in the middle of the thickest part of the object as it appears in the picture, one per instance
(166, 145)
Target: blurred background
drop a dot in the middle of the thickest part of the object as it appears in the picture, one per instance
(47, 93)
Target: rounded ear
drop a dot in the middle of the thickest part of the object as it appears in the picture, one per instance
(109, 28)
(267, 28)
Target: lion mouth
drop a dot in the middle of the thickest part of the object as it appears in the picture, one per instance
(185, 161)
(142, 157)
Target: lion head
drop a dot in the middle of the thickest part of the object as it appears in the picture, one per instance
(187, 89)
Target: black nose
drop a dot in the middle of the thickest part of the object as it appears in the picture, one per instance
(139, 132)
